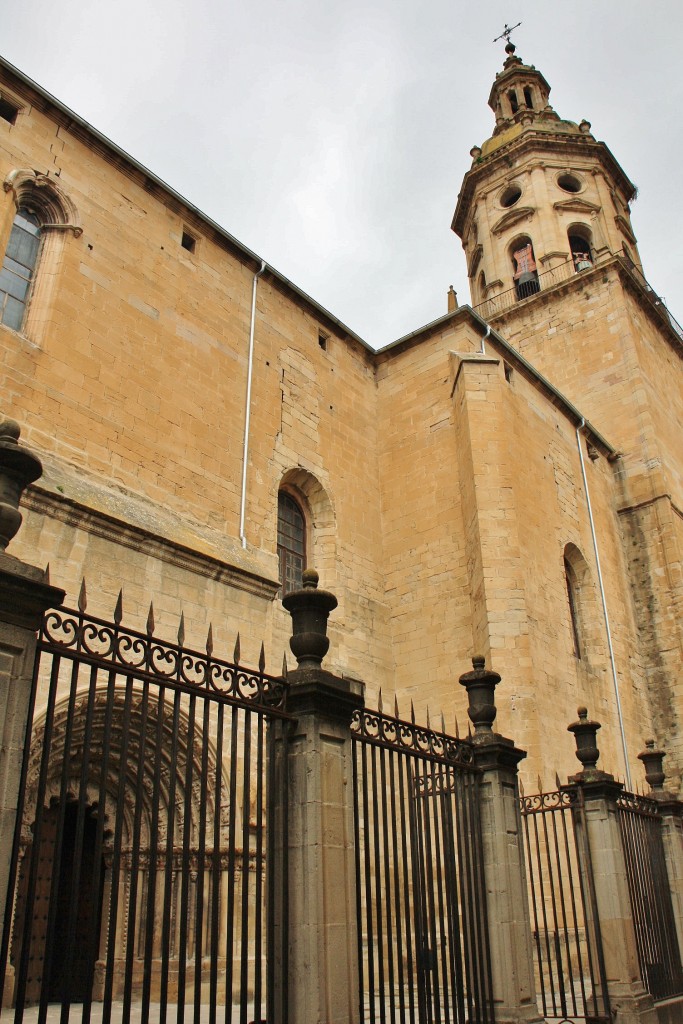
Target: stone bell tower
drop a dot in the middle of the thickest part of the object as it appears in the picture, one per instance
(542, 195)
(553, 265)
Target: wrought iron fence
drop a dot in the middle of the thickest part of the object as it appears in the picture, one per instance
(138, 873)
(422, 930)
(649, 889)
(570, 971)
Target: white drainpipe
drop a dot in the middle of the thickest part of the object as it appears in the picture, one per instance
(482, 351)
(247, 411)
(615, 678)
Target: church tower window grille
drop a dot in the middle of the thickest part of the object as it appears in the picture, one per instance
(18, 268)
(291, 542)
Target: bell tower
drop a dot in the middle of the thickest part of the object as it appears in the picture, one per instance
(543, 200)
(553, 265)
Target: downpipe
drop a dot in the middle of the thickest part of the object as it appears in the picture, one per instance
(603, 599)
(247, 411)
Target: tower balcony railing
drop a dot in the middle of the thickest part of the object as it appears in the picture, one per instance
(655, 300)
(498, 304)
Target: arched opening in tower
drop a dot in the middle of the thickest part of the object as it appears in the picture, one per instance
(580, 247)
(525, 274)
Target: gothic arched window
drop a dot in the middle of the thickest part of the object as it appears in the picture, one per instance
(18, 268)
(291, 542)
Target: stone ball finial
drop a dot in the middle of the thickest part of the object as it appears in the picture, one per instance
(510, 47)
(19, 467)
(310, 579)
(10, 431)
(585, 733)
(653, 761)
(475, 152)
(481, 685)
(310, 609)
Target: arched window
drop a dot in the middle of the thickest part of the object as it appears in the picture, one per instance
(18, 268)
(514, 102)
(44, 217)
(525, 273)
(528, 98)
(580, 245)
(482, 286)
(572, 598)
(291, 542)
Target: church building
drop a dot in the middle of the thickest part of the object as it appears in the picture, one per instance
(505, 481)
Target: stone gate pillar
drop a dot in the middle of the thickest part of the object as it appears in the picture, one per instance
(671, 811)
(25, 595)
(507, 898)
(314, 884)
(629, 1000)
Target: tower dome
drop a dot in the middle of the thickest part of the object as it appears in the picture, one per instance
(542, 195)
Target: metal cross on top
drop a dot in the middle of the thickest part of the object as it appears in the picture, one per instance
(507, 31)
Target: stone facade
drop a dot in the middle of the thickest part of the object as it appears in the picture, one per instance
(442, 479)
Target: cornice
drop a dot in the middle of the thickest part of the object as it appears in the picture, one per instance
(96, 142)
(110, 528)
(475, 261)
(574, 145)
(513, 217)
(576, 206)
(625, 228)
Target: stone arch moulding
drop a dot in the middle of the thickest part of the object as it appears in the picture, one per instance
(102, 704)
(43, 194)
(514, 216)
(580, 580)
(322, 525)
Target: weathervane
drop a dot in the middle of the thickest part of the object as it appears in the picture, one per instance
(506, 33)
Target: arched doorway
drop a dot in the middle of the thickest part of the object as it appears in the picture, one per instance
(69, 869)
(81, 873)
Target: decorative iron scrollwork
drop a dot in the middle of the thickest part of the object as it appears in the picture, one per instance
(111, 646)
(396, 734)
(634, 803)
(538, 803)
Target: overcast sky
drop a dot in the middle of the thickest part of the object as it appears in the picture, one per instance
(332, 138)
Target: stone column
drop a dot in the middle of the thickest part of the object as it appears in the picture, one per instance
(316, 956)
(507, 897)
(25, 595)
(671, 811)
(629, 1001)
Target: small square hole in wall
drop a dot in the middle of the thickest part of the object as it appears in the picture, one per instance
(8, 111)
(322, 341)
(508, 373)
(188, 241)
